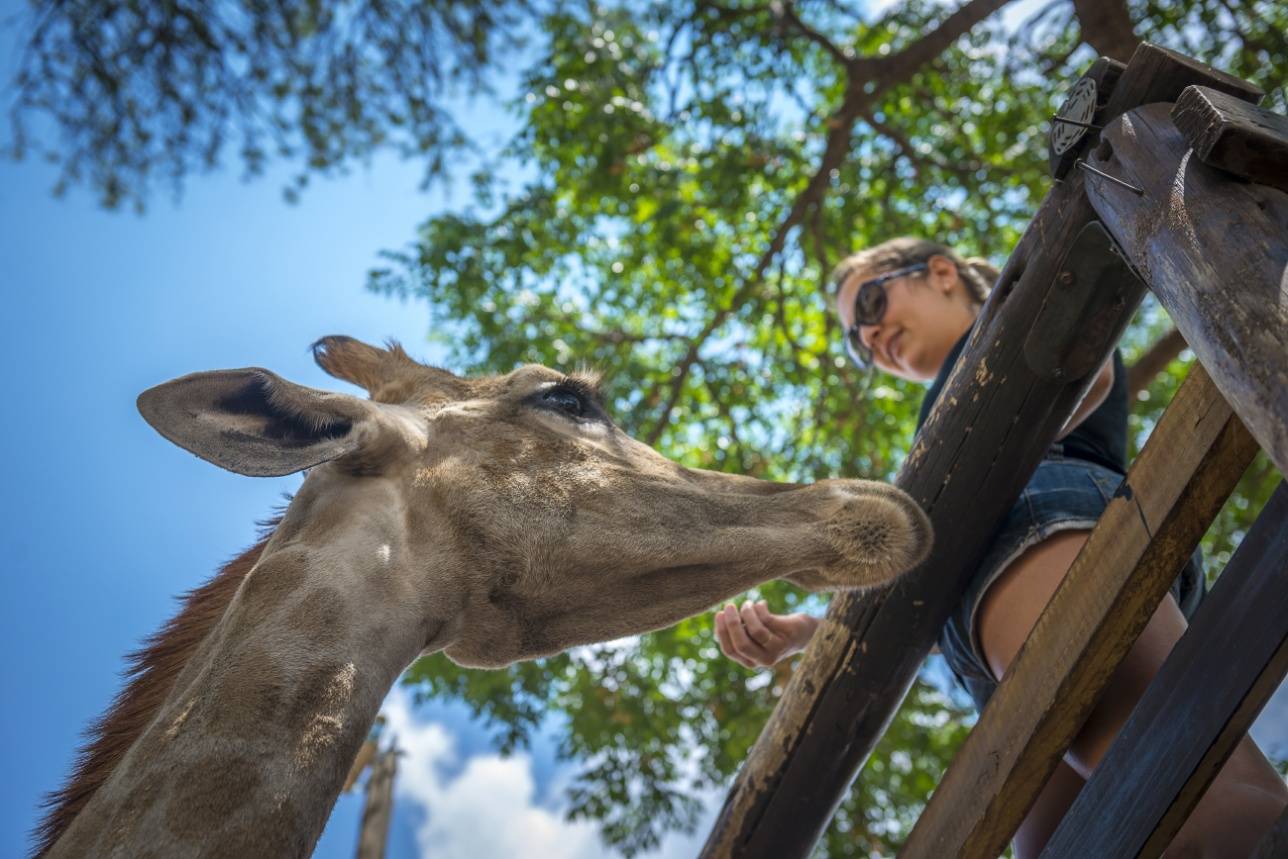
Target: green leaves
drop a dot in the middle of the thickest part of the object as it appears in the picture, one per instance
(662, 180)
(667, 149)
(143, 92)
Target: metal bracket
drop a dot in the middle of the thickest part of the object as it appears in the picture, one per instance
(1077, 121)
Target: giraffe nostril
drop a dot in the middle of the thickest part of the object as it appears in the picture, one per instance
(879, 532)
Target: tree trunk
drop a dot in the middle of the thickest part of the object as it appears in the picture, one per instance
(379, 806)
(1107, 27)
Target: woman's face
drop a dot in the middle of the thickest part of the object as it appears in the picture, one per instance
(925, 315)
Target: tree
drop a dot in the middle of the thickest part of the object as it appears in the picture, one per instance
(141, 92)
(690, 174)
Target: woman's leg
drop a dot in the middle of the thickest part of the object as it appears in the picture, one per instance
(1047, 812)
(1247, 795)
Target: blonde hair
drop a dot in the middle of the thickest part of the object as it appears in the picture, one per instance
(977, 273)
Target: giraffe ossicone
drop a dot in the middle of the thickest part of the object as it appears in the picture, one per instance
(496, 519)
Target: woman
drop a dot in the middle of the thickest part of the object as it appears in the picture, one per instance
(908, 306)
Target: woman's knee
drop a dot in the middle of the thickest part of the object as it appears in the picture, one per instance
(1048, 810)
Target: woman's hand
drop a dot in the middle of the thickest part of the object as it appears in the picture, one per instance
(756, 637)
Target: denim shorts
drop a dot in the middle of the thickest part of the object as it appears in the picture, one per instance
(1065, 494)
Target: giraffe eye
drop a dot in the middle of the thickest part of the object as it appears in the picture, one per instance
(567, 401)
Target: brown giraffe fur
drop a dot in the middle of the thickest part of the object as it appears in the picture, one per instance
(478, 517)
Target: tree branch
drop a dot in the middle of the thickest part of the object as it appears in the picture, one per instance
(861, 92)
(1107, 27)
(1153, 362)
(787, 13)
(961, 170)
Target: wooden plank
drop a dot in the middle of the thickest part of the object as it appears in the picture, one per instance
(1174, 490)
(1240, 138)
(995, 419)
(1215, 253)
(1220, 675)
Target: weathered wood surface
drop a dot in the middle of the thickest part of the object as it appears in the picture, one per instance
(1202, 702)
(1173, 491)
(1275, 844)
(994, 421)
(1215, 253)
(1240, 138)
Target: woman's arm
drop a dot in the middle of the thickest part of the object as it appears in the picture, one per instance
(1092, 399)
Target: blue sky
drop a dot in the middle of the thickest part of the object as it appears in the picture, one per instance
(104, 523)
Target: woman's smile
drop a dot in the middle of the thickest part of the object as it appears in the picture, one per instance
(894, 346)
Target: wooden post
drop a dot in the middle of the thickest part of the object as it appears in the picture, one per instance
(1174, 490)
(994, 421)
(1218, 676)
(1215, 253)
(378, 805)
(1240, 138)
(366, 752)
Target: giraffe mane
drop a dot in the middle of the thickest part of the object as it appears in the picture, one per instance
(150, 674)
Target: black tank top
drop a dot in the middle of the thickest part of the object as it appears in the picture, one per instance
(1100, 438)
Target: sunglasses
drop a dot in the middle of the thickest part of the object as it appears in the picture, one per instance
(869, 308)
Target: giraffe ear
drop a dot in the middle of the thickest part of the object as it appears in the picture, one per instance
(256, 423)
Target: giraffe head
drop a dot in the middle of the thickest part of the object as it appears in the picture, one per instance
(507, 516)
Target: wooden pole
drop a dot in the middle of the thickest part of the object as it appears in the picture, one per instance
(1215, 253)
(366, 752)
(966, 468)
(378, 805)
(1204, 699)
(1174, 490)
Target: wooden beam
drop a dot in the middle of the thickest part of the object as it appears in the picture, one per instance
(1240, 138)
(1174, 490)
(1215, 252)
(995, 419)
(1220, 675)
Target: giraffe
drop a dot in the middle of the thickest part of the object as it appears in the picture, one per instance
(494, 519)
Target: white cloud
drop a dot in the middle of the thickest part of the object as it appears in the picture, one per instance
(487, 808)
(487, 804)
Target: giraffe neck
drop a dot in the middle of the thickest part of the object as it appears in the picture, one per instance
(250, 749)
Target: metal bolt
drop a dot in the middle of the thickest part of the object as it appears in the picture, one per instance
(1067, 121)
(1102, 174)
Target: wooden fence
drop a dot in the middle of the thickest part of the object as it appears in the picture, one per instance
(1179, 188)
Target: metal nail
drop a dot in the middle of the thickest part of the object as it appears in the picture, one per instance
(1102, 174)
(1067, 121)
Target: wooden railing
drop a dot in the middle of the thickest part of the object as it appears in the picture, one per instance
(1213, 248)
